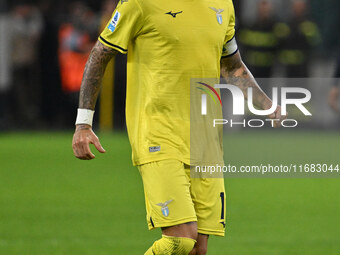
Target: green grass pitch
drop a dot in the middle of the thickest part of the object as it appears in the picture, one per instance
(53, 204)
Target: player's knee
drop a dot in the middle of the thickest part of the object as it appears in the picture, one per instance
(171, 245)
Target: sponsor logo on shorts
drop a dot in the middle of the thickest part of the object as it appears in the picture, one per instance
(165, 208)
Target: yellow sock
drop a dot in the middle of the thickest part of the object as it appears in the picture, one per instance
(171, 245)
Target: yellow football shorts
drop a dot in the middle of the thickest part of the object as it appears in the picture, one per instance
(173, 198)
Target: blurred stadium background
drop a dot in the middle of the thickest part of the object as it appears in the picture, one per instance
(51, 203)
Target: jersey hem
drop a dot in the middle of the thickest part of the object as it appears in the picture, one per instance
(207, 163)
(187, 161)
(142, 161)
(172, 223)
(211, 232)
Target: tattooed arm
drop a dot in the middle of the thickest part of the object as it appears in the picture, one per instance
(235, 72)
(93, 74)
(90, 87)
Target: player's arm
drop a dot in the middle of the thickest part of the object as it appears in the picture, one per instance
(235, 72)
(90, 87)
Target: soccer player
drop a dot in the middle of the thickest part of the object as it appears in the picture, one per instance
(168, 43)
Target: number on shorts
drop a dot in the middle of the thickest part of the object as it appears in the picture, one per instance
(222, 203)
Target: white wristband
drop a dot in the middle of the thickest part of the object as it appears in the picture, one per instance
(85, 116)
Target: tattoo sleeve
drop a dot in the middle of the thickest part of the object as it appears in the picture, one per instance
(235, 72)
(93, 75)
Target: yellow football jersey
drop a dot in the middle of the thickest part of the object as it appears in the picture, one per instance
(168, 43)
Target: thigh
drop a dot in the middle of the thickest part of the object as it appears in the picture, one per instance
(208, 195)
(188, 230)
(167, 194)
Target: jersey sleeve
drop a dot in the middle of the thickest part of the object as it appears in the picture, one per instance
(124, 26)
(230, 46)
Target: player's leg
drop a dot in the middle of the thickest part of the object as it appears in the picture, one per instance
(201, 246)
(171, 245)
(208, 195)
(183, 230)
(178, 240)
(169, 206)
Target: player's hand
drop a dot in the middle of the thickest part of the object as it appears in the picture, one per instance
(333, 98)
(82, 138)
(277, 117)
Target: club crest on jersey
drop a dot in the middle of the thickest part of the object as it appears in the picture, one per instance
(165, 208)
(114, 21)
(218, 14)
